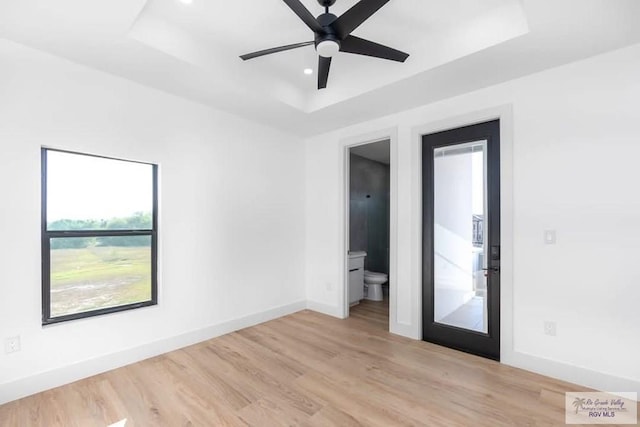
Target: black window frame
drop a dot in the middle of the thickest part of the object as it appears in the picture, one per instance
(47, 235)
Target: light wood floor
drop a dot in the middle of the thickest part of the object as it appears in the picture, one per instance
(375, 313)
(304, 369)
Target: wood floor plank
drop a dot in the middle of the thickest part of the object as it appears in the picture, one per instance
(270, 411)
(207, 382)
(343, 396)
(261, 379)
(331, 416)
(92, 401)
(306, 369)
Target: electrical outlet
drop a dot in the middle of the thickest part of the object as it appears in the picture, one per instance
(550, 328)
(11, 345)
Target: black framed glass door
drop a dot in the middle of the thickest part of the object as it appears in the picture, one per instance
(461, 238)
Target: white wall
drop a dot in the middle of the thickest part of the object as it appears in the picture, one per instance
(231, 217)
(576, 149)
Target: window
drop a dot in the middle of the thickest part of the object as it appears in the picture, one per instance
(99, 235)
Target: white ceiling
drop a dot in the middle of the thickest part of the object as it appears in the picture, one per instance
(434, 32)
(192, 51)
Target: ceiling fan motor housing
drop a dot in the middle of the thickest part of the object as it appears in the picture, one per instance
(327, 3)
(328, 42)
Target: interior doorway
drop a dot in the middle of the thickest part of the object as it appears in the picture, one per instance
(368, 232)
(461, 238)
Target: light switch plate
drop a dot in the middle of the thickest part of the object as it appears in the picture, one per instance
(550, 237)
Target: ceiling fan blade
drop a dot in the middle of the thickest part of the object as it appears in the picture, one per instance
(358, 46)
(304, 14)
(274, 50)
(323, 72)
(354, 17)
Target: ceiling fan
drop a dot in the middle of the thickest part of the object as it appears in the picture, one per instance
(333, 35)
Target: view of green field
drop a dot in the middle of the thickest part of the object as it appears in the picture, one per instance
(95, 277)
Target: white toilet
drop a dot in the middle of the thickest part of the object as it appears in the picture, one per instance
(373, 282)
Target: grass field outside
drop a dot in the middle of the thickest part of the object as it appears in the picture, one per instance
(91, 278)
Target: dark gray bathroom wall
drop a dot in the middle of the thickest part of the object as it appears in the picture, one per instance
(369, 211)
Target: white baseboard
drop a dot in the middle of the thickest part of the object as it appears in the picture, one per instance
(55, 378)
(329, 310)
(68, 374)
(554, 369)
(334, 311)
(404, 330)
(570, 373)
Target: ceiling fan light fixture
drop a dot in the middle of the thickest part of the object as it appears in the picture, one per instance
(328, 48)
(332, 34)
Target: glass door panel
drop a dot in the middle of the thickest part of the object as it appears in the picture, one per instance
(460, 284)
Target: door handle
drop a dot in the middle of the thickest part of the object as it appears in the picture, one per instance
(494, 269)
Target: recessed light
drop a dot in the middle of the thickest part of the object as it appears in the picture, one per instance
(308, 71)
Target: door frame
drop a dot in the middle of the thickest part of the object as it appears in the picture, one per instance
(447, 121)
(486, 344)
(390, 134)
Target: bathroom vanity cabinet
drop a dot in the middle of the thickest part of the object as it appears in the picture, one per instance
(356, 277)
